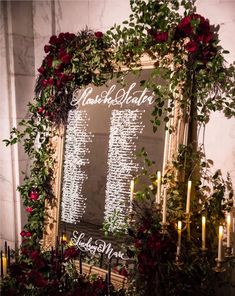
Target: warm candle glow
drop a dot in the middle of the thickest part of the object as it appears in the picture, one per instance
(228, 220)
(220, 231)
(203, 232)
(188, 197)
(4, 264)
(220, 243)
(179, 238)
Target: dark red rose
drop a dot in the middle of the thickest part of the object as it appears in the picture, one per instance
(47, 48)
(191, 46)
(33, 195)
(207, 37)
(49, 60)
(37, 279)
(29, 209)
(41, 70)
(69, 36)
(53, 40)
(40, 110)
(160, 36)
(48, 82)
(66, 58)
(28, 234)
(123, 271)
(98, 34)
(138, 243)
(23, 233)
(70, 253)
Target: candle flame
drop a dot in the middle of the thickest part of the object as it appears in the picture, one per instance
(179, 225)
(220, 231)
(203, 220)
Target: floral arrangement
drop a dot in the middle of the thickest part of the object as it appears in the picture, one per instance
(186, 53)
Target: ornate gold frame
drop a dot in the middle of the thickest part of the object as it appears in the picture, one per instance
(52, 209)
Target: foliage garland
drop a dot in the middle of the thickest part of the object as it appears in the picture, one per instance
(186, 53)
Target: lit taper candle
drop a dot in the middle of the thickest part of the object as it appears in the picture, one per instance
(159, 182)
(228, 220)
(132, 194)
(220, 243)
(203, 232)
(188, 197)
(179, 228)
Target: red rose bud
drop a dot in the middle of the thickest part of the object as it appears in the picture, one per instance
(33, 195)
(49, 60)
(53, 40)
(66, 58)
(23, 233)
(29, 209)
(40, 110)
(28, 234)
(41, 70)
(160, 36)
(191, 46)
(98, 34)
(47, 48)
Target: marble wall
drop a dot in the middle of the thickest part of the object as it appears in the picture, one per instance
(25, 26)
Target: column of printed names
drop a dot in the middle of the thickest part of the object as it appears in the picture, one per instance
(126, 126)
(73, 203)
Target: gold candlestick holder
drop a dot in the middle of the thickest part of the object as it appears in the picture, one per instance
(219, 266)
(229, 253)
(164, 228)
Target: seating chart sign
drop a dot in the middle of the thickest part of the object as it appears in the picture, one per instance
(106, 129)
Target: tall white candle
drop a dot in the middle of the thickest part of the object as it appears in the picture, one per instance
(131, 194)
(164, 206)
(179, 228)
(228, 218)
(159, 181)
(220, 243)
(203, 232)
(188, 197)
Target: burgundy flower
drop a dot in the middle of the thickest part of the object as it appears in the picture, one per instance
(41, 70)
(123, 271)
(138, 243)
(160, 36)
(48, 82)
(29, 209)
(70, 253)
(23, 233)
(40, 110)
(33, 195)
(66, 58)
(28, 234)
(53, 40)
(49, 60)
(98, 34)
(69, 36)
(191, 46)
(37, 279)
(47, 48)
